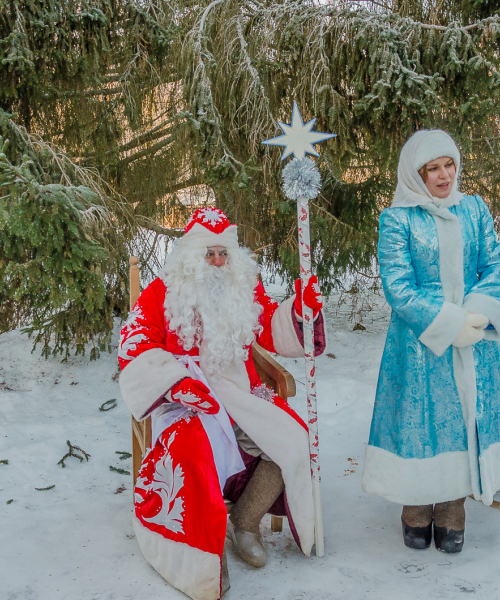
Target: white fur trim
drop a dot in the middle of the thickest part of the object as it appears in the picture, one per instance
(284, 336)
(451, 254)
(146, 379)
(193, 571)
(201, 237)
(490, 473)
(485, 305)
(279, 436)
(451, 270)
(465, 379)
(444, 329)
(416, 481)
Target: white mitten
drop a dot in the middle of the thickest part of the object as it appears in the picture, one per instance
(472, 330)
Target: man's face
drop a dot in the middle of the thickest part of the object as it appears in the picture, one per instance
(216, 256)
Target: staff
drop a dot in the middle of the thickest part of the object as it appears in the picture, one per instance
(302, 182)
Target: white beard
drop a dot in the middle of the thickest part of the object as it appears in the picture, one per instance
(212, 307)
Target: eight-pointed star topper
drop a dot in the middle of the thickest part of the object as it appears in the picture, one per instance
(298, 138)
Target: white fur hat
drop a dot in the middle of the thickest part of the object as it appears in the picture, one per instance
(209, 226)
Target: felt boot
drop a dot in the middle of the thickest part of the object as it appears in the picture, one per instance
(417, 526)
(224, 574)
(449, 525)
(259, 495)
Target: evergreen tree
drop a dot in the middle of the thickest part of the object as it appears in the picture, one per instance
(145, 100)
(61, 248)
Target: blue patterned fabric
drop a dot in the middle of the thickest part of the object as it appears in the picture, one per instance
(417, 412)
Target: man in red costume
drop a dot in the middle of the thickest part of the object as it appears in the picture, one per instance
(218, 432)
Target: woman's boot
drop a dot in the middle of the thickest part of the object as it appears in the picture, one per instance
(449, 525)
(417, 526)
(257, 498)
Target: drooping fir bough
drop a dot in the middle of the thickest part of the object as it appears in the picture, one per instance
(165, 103)
(61, 248)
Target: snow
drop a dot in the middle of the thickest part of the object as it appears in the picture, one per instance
(75, 541)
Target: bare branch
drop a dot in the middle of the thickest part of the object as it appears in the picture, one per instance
(146, 152)
(158, 229)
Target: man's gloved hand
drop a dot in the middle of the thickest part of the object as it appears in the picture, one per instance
(472, 330)
(312, 296)
(195, 395)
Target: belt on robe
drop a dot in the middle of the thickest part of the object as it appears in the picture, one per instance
(218, 427)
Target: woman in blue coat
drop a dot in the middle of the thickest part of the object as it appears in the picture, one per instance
(435, 433)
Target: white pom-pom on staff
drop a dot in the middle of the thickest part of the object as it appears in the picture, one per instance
(301, 179)
(302, 182)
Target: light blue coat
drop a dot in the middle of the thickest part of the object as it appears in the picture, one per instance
(435, 433)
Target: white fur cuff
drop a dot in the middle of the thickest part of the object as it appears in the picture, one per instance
(284, 336)
(485, 305)
(147, 378)
(444, 329)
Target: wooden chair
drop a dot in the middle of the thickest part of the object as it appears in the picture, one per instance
(270, 371)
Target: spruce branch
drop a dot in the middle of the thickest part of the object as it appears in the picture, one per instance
(73, 452)
(121, 471)
(108, 405)
(152, 134)
(123, 455)
(337, 221)
(149, 152)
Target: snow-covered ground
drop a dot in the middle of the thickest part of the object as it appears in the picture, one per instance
(75, 541)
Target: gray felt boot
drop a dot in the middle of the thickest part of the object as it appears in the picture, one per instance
(449, 525)
(417, 526)
(224, 574)
(259, 495)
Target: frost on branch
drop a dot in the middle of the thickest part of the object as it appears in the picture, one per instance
(301, 179)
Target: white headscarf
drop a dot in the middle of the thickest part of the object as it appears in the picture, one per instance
(421, 148)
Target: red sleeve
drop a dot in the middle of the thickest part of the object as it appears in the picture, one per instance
(145, 326)
(265, 337)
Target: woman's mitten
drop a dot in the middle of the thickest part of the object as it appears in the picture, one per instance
(472, 330)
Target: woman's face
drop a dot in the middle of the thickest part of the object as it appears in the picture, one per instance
(438, 176)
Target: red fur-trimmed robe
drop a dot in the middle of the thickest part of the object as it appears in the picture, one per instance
(180, 515)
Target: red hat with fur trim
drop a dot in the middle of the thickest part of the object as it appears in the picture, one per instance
(209, 226)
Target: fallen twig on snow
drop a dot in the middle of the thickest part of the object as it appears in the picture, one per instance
(121, 471)
(123, 455)
(72, 453)
(112, 404)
